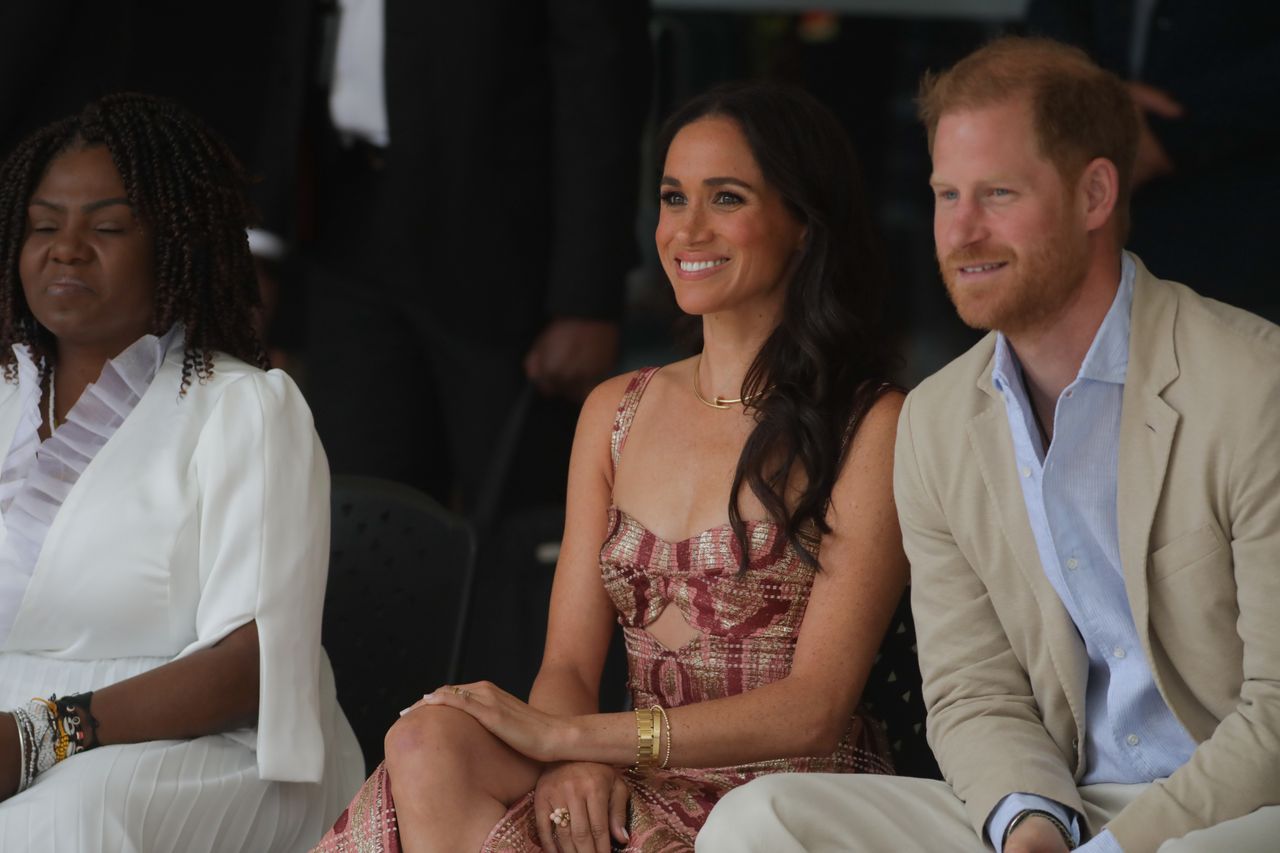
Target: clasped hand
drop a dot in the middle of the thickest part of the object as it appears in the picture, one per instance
(595, 798)
(594, 795)
(525, 729)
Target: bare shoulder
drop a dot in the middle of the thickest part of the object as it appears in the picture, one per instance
(867, 475)
(601, 406)
(879, 426)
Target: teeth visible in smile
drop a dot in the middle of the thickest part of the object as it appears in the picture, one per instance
(982, 267)
(697, 266)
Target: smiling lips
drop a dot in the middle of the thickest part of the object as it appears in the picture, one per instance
(977, 268)
(966, 266)
(699, 268)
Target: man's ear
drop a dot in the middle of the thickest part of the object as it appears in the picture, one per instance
(1099, 187)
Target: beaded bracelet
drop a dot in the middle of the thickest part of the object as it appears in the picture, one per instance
(50, 731)
(76, 715)
(27, 749)
(666, 735)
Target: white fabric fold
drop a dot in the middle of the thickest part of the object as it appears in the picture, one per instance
(38, 476)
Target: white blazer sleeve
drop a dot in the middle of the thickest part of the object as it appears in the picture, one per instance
(264, 553)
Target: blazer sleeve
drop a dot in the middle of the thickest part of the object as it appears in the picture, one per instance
(984, 724)
(1237, 769)
(264, 543)
(600, 73)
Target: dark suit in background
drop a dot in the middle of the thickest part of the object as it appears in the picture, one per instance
(221, 61)
(505, 199)
(1211, 221)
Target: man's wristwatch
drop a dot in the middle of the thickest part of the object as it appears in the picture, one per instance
(1049, 816)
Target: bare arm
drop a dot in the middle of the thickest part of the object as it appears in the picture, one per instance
(580, 623)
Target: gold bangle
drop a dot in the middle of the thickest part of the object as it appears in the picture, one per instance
(648, 738)
(666, 736)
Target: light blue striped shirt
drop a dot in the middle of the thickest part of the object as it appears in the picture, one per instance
(1131, 736)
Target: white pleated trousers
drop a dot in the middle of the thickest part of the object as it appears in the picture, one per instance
(194, 796)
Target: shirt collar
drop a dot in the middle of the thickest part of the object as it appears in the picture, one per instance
(148, 351)
(1108, 357)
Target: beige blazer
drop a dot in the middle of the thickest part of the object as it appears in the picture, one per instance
(1199, 528)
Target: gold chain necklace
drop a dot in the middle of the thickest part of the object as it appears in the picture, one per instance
(720, 402)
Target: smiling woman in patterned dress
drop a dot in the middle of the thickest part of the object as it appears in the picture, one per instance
(733, 511)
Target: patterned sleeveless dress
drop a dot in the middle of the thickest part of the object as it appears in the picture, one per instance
(748, 624)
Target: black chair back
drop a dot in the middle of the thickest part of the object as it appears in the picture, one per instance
(400, 571)
(892, 695)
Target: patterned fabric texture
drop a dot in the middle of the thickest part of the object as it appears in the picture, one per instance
(368, 825)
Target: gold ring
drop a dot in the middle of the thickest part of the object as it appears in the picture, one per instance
(560, 817)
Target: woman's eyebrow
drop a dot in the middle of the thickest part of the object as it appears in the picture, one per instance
(88, 208)
(668, 181)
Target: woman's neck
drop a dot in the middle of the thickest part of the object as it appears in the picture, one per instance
(729, 346)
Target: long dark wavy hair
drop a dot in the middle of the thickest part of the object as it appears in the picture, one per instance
(824, 365)
(187, 187)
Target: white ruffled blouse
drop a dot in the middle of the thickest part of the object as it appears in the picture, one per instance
(37, 477)
(152, 525)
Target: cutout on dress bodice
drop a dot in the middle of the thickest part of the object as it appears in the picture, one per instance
(671, 629)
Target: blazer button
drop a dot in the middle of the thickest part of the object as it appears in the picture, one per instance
(1075, 743)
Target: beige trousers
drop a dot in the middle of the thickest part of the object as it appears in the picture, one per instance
(853, 813)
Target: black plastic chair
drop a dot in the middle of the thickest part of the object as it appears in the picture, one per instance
(892, 695)
(400, 572)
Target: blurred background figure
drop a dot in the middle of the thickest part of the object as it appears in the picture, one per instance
(1207, 79)
(467, 226)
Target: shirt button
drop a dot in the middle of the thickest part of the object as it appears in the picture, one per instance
(1073, 563)
(1026, 471)
(1069, 393)
(1132, 740)
(1118, 652)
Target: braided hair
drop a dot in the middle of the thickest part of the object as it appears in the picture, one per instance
(184, 183)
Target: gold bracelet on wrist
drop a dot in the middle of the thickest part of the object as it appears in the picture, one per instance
(666, 736)
(648, 738)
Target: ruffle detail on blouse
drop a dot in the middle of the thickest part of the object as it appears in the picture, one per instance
(37, 477)
(26, 438)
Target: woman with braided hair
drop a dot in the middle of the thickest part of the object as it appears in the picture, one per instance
(163, 509)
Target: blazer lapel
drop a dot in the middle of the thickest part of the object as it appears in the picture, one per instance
(1147, 428)
(993, 447)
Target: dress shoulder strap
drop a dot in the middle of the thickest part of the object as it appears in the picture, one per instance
(627, 411)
